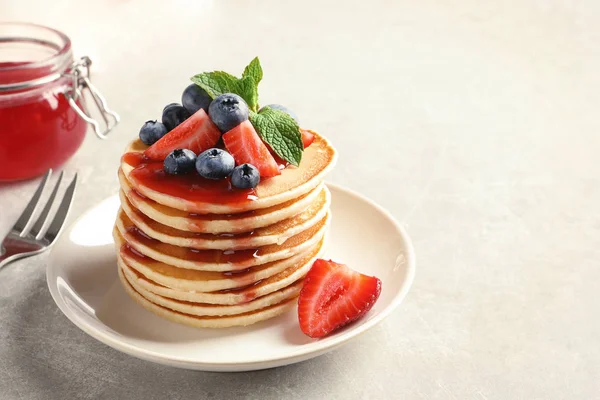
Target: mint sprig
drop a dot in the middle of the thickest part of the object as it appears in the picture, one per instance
(276, 128)
(254, 70)
(280, 132)
(217, 83)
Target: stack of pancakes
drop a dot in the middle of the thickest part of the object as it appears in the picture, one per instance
(212, 263)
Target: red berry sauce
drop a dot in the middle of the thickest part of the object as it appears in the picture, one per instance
(39, 128)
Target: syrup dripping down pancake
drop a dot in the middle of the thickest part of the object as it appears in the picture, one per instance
(204, 309)
(214, 260)
(202, 281)
(196, 195)
(217, 223)
(181, 290)
(276, 233)
(244, 319)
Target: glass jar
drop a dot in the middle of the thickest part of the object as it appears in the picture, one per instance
(43, 111)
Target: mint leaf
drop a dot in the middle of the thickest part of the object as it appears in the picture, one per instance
(280, 132)
(254, 70)
(247, 88)
(216, 83)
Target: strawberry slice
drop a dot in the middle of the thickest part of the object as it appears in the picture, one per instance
(281, 163)
(197, 133)
(334, 295)
(245, 146)
(307, 137)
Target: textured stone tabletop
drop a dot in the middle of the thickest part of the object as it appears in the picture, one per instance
(475, 123)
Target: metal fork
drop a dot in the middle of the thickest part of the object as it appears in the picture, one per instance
(25, 240)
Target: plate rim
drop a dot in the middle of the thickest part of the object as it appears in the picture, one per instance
(316, 348)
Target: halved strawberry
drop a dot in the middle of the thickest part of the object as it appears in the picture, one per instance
(307, 137)
(281, 163)
(334, 295)
(197, 133)
(245, 146)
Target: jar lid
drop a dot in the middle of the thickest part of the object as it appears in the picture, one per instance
(31, 55)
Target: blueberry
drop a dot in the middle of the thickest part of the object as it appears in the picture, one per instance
(173, 115)
(215, 164)
(179, 161)
(228, 111)
(151, 131)
(284, 109)
(195, 98)
(245, 176)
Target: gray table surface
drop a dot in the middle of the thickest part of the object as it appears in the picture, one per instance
(474, 123)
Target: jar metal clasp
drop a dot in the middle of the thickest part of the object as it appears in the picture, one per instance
(79, 72)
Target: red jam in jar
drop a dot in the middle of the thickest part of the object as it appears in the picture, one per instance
(39, 128)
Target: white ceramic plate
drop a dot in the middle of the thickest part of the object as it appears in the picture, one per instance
(82, 277)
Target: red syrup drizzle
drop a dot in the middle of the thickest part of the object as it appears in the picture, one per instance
(190, 187)
(234, 257)
(242, 239)
(194, 188)
(247, 292)
(133, 253)
(196, 222)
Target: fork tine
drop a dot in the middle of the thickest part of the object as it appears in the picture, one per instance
(62, 212)
(23, 220)
(39, 224)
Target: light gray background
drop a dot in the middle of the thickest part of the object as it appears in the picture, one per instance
(475, 123)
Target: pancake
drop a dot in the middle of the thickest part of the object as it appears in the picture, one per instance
(203, 309)
(215, 260)
(276, 233)
(229, 296)
(208, 321)
(217, 223)
(204, 281)
(317, 160)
